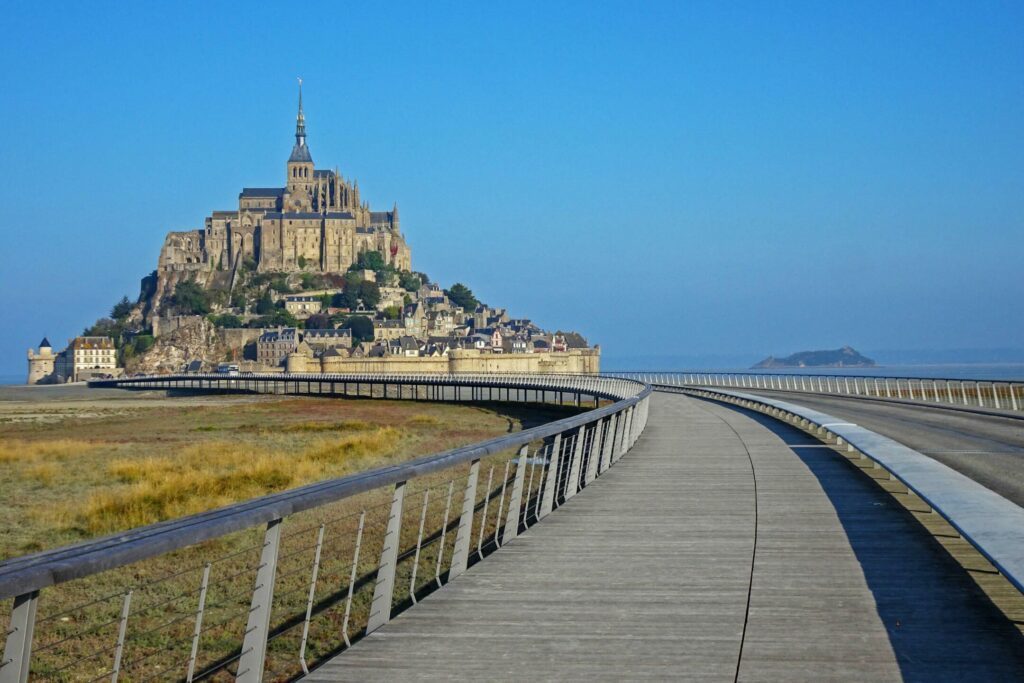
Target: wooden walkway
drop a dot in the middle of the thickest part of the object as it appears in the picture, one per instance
(725, 546)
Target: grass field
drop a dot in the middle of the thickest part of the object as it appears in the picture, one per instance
(79, 467)
(76, 464)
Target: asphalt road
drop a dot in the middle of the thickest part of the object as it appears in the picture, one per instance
(986, 448)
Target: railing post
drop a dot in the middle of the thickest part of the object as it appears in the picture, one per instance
(384, 589)
(460, 555)
(197, 630)
(573, 485)
(609, 444)
(18, 648)
(595, 453)
(547, 500)
(623, 445)
(254, 646)
(122, 629)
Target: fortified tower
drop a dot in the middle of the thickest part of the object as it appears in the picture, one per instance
(40, 365)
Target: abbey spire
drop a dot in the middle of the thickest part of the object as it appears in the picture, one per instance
(300, 152)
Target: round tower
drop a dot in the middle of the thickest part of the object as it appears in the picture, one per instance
(40, 365)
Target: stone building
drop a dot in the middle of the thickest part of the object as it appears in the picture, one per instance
(273, 346)
(86, 357)
(317, 222)
(40, 364)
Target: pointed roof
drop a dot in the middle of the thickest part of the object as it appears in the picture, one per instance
(45, 343)
(300, 152)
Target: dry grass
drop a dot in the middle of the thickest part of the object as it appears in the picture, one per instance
(20, 451)
(212, 474)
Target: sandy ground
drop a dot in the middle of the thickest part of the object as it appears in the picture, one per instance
(48, 404)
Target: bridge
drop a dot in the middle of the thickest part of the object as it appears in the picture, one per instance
(673, 529)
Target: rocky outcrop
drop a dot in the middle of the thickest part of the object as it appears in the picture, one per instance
(845, 357)
(195, 339)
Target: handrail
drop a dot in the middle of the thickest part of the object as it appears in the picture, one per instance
(1000, 395)
(991, 523)
(567, 454)
(39, 570)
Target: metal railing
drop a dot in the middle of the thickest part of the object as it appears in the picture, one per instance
(989, 394)
(266, 587)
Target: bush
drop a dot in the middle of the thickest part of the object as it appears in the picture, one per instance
(392, 312)
(226, 320)
(191, 299)
(361, 326)
(370, 260)
(313, 281)
(319, 321)
(369, 292)
(265, 304)
(410, 282)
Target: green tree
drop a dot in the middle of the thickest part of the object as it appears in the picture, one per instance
(461, 295)
(410, 282)
(302, 262)
(361, 326)
(226, 320)
(191, 299)
(265, 304)
(369, 292)
(371, 260)
(392, 312)
(121, 309)
(238, 299)
(319, 321)
(279, 283)
(104, 327)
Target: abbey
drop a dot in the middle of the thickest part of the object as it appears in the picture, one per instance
(315, 222)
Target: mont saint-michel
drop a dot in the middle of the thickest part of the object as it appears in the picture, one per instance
(304, 277)
(316, 222)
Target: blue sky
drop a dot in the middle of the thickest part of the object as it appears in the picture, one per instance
(676, 178)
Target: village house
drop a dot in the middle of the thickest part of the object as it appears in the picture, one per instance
(303, 306)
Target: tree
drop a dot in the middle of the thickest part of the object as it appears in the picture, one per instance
(361, 326)
(238, 299)
(104, 327)
(191, 299)
(392, 312)
(302, 262)
(410, 282)
(340, 300)
(226, 320)
(461, 295)
(121, 309)
(369, 292)
(265, 305)
(370, 260)
(319, 321)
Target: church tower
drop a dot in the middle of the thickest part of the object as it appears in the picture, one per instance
(299, 181)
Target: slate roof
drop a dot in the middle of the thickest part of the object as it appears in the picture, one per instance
(261, 192)
(300, 153)
(45, 342)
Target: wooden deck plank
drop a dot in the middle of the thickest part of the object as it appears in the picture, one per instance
(645, 574)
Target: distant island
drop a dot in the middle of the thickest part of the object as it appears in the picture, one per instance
(845, 357)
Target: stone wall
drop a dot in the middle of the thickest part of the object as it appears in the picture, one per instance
(574, 361)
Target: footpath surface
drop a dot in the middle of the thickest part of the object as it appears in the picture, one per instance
(725, 546)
